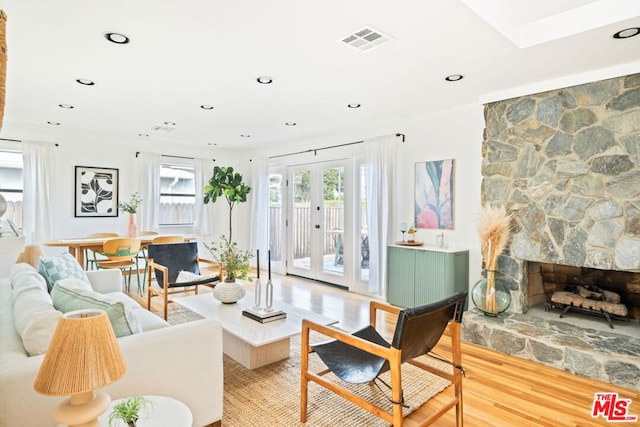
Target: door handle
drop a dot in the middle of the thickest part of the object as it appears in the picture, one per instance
(318, 226)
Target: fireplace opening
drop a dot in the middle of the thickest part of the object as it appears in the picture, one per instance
(566, 290)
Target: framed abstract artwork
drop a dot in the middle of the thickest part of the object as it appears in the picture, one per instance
(434, 194)
(96, 192)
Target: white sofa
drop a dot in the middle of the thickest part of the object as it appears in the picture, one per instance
(183, 361)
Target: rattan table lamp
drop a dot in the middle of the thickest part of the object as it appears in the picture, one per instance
(82, 357)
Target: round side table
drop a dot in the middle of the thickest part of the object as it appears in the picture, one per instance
(160, 411)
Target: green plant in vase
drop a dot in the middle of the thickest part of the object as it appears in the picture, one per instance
(234, 260)
(128, 410)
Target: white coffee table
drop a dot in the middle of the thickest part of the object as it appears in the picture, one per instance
(251, 343)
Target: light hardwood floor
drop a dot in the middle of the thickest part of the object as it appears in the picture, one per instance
(499, 390)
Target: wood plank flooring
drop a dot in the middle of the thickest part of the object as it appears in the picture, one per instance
(499, 390)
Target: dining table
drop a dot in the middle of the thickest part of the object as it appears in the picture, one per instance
(77, 246)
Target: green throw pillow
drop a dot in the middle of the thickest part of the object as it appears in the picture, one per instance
(69, 297)
(60, 267)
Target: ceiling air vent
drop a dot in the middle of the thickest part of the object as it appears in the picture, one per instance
(163, 128)
(366, 39)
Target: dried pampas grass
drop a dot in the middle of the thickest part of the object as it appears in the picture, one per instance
(493, 227)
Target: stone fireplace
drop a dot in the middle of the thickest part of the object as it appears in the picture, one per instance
(566, 165)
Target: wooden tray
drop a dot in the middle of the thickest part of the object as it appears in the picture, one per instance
(410, 243)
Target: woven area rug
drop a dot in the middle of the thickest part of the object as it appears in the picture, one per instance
(270, 396)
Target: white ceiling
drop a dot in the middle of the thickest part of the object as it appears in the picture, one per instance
(187, 53)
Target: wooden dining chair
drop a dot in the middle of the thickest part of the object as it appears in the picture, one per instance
(121, 253)
(91, 261)
(360, 357)
(167, 239)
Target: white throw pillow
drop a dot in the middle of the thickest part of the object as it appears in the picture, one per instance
(188, 276)
(34, 316)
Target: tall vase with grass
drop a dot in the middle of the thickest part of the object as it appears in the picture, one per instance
(489, 295)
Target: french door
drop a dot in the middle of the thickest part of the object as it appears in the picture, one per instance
(318, 234)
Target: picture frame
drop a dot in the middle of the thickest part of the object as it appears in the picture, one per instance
(434, 199)
(96, 192)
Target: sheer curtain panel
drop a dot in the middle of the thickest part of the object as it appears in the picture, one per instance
(203, 222)
(38, 176)
(380, 163)
(149, 179)
(259, 238)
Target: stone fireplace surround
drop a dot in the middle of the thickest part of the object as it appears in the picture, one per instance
(566, 165)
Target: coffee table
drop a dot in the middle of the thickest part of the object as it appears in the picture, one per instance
(249, 342)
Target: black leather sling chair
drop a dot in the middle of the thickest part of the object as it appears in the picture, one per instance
(166, 261)
(362, 356)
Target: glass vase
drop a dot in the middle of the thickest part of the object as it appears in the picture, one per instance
(491, 296)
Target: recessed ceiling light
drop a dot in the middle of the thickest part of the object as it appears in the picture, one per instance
(626, 33)
(245, 135)
(215, 144)
(66, 106)
(454, 77)
(170, 123)
(290, 123)
(354, 105)
(265, 80)
(54, 123)
(86, 82)
(206, 107)
(143, 134)
(117, 38)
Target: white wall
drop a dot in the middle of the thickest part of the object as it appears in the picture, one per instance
(452, 134)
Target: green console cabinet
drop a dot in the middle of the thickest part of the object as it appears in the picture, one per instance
(421, 275)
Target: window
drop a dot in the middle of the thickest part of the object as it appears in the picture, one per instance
(11, 185)
(177, 194)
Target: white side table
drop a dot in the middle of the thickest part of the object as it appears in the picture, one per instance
(161, 411)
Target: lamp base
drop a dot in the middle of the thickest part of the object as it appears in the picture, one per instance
(82, 409)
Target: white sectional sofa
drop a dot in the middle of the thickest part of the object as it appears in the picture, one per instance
(183, 361)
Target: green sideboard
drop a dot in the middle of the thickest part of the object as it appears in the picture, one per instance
(421, 275)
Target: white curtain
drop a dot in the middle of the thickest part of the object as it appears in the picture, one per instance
(38, 173)
(380, 161)
(203, 223)
(149, 181)
(259, 234)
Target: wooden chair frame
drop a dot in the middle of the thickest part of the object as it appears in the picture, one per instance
(394, 357)
(166, 289)
(116, 257)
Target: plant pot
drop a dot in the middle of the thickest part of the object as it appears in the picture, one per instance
(229, 292)
(490, 295)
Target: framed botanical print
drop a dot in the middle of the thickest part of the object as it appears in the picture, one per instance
(96, 192)
(434, 194)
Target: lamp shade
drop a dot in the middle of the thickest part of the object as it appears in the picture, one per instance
(83, 355)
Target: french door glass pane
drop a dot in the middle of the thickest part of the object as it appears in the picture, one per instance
(301, 219)
(333, 201)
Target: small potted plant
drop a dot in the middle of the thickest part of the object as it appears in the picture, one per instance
(128, 410)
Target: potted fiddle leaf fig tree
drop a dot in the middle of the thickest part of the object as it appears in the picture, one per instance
(228, 184)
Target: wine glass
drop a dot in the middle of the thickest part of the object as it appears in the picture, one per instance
(403, 229)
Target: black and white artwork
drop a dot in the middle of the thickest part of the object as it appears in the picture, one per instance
(96, 192)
